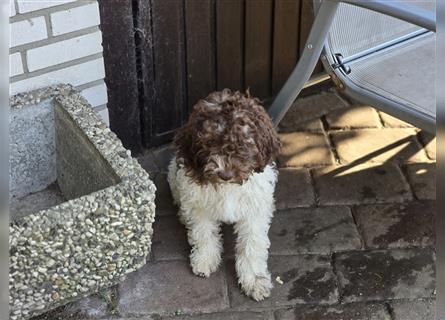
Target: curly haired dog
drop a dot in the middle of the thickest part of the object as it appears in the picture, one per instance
(223, 172)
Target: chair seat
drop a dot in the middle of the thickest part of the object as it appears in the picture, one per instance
(404, 74)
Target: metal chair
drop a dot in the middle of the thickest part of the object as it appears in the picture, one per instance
(379, 52)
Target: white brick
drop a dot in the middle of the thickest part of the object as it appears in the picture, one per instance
(75, 19)
(75, 75)
(28, 30)
(12, 11)
(104, 114)
(33, 5)
(96, 95)
(64, 51)
(15, 64)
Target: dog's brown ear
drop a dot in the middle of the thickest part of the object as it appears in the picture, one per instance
(182, 142)
(268, 141)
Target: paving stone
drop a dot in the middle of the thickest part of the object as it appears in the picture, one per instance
(359, 116)
(310, 108)
(309, 125)
(306, 279)
(397, 225)
(317, 231)
(147, 162)
(374, 145)
(422, 177)
(392, 122)
(147, 317)
(430, 144)
(294, 189)
(385, 274)
(93, 306)
(164, 200)
(226, 316)
(165, 287)
(229, 238)
(350, 311)
(169, 239)
(304, 149)
(361, 184)
(162, 157)
(413, 310)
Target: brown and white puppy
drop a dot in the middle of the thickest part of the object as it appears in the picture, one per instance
(224, 172)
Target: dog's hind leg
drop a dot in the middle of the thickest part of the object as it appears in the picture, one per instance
(251, 256)
(204, 236)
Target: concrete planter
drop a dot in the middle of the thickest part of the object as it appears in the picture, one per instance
(101, 233)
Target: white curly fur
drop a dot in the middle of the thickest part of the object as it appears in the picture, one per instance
(249, 206)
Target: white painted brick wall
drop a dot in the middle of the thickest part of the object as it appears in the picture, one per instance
(97, 95)
(15, 64)
(60, 42)
(104, 114)
(76, 75)
(75, 19)
(64, 51)
(34, 5)
(27, 31)
(11, 8)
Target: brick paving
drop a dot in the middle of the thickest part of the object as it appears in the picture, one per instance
(352, 237)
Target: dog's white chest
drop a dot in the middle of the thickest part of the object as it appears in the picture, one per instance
(226, 202)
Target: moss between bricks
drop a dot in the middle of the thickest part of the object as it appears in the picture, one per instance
(90, 242)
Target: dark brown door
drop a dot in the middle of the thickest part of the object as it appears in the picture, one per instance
(162, 56)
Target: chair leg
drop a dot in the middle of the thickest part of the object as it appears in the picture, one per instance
(306, 63)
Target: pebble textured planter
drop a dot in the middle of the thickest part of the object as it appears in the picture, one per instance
(99, 235)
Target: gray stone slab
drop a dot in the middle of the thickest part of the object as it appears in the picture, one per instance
(164, 200)
(286, 125)
(413, 309)
(90, 307)
(169, 239)
(162, 157)
(316, 231)
(304, 149)
(397, 225)
(358, 116)
(360, 184)
(32, 148)
(392, 122)
(396, 145)
(178, 315)
(350, 311)
(147, 161)
(312, 107)
(430, 144)
(294, 189)
(229, 238)
(165, 287)
(225, 316)
(381, 275)
(422, 178)
(305, 279)
(41, 200)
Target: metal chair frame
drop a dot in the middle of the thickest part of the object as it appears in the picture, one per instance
(315, 44)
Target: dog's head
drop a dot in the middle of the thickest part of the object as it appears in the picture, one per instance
(227, 138)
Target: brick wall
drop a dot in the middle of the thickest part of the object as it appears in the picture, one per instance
(54, 41)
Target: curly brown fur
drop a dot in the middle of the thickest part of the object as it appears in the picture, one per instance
(228, 137)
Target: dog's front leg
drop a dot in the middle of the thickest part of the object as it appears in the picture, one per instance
(204, 237)
(251, 257)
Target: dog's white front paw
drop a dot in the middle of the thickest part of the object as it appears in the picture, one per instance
(258, 288)
(202, 265)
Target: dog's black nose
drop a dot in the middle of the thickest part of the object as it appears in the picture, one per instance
(225, 175)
